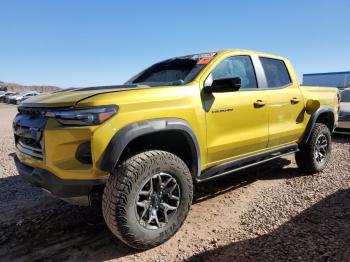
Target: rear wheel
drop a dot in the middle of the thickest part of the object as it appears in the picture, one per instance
(147, 198)
(314, 156)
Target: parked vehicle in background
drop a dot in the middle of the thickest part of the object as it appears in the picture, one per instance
(4, 98)
(344, 113)
(140, 148)
(10, 97)
(17, 99)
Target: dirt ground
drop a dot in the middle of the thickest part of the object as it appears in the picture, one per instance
(269, 213)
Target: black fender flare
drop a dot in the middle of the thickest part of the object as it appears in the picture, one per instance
(312, 121)
(128, 133)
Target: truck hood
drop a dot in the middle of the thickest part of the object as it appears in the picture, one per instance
(72, 96)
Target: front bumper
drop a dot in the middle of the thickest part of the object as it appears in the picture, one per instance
(43, 143)
(58, 187)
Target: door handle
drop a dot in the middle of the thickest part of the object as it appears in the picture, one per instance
(295, 100)
(259, 103)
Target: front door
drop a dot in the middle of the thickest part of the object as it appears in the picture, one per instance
(237, 122)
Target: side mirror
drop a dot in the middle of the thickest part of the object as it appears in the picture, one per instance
(224, 85)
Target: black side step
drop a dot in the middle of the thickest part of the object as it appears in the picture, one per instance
(245, 162)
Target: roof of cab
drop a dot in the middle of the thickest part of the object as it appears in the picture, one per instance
(249, 52)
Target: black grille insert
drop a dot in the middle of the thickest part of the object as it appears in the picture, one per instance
(28, 128)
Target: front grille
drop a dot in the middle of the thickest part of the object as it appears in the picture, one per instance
(30, 111)
(28, 150)
(28, 128)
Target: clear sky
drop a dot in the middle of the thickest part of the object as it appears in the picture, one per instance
(87, 43)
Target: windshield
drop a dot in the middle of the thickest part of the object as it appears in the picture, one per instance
(174, 71)
(345, 96)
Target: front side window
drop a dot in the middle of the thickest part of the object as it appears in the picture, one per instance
(236, 66)
(276, 72)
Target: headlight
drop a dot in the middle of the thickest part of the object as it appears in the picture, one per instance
(83, 116)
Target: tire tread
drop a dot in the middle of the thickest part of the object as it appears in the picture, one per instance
(305, 158)
(119, 186)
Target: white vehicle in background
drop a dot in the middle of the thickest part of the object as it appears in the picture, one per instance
(17, 99)
(4, 96)
(10, 96)
(344, 113)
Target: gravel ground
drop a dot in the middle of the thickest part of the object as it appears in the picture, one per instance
(270, 213)
(306, 218)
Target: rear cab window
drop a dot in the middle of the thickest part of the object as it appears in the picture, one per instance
(276, 72)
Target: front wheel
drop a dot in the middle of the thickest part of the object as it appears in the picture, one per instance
(147, 198)
(314, 156)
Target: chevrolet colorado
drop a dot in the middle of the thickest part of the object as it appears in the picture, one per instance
(138, 149)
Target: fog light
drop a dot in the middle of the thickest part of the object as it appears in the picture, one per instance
(83, 153)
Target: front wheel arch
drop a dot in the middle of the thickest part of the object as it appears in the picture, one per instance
(120, 141)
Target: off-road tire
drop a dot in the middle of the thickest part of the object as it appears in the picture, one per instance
(305, 157)
(122, 187)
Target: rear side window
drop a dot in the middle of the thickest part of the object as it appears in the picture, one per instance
(276, 72)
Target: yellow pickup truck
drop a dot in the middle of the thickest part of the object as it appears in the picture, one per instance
(139, 148)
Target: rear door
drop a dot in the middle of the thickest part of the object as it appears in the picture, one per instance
(286, 107)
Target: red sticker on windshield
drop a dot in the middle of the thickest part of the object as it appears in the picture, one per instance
(204, 61)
